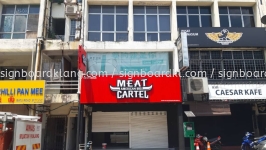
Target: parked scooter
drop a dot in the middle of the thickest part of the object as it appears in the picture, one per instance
(253, 143)
(202, 141)
(89, 145)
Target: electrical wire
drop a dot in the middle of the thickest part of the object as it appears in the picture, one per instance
(42, 111)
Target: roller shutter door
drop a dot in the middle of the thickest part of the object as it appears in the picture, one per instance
(148, 130)
(110, 121)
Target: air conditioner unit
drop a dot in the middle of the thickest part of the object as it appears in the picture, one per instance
(71, 10)
(197, 85)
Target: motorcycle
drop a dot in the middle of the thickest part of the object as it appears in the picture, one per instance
(202, 141)
(253, 143)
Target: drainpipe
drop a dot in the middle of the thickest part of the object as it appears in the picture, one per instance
(50, 19)
(33, 58)
(38, 46)
(32, 111)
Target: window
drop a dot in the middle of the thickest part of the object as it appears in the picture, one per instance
(126, 63)
(226, 64)
(59, 28)
(193, 16)
(16, 19)
(236, 17)
(72, 30)
(151, 23)
(108, 23)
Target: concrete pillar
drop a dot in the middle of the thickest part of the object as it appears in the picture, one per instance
(41, 18)
(173, 21)
(1, 7)
(130, 20)
(175, 61)
(67, 29)
(86, 22)
(181, 138)
(258, 13)
(69, 131)
(215, 14)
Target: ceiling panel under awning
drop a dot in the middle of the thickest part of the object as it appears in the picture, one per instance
(210, 109)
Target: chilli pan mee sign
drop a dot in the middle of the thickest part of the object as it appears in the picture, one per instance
(117, 89)
(22, 92)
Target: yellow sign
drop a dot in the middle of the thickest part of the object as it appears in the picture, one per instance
(22, 92)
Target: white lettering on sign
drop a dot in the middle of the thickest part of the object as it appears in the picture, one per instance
(131, 89)
(237, 91)
(189, 33)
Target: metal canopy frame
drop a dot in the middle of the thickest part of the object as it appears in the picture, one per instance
(10, 117)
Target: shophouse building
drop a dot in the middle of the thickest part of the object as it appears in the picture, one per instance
(130, 35)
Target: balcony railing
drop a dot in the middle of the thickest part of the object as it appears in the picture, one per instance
(58, 87)
(62, 37)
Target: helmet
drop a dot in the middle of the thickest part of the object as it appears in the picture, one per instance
(205, 138)
(198, 136)
(248, 134)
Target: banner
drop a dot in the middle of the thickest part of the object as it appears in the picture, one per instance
(225, 37)
(124, 63)
(27, 135)
(22, 92)
(82, 60)
(123, 89)
(237, 91)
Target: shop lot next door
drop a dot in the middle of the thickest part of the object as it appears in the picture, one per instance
(145, 129)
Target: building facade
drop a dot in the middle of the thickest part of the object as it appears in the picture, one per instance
(130, 35)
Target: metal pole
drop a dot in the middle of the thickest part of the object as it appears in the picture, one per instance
(181, 138)
(86, 131)
(192, 147)
(4, 123)
(80, 123)
(80, 114)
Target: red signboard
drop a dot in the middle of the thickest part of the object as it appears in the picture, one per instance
(137, 89)
(82, 59)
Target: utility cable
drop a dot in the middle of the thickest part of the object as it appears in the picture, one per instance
(42, 111)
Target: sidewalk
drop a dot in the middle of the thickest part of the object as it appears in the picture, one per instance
(187, 148)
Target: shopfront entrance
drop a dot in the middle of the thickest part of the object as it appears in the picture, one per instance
(134, 126)
(139, 129)
(134, 100)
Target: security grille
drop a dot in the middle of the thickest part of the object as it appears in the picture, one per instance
(226, 64)
(55, 138)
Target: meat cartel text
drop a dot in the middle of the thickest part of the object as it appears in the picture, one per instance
(131, 89)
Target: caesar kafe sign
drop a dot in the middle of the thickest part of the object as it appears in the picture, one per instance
(237, 91)
(131, 89)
